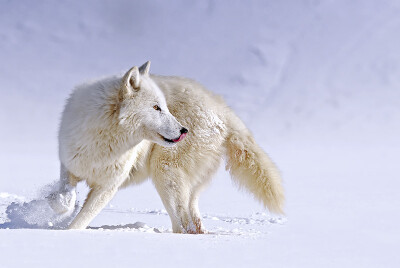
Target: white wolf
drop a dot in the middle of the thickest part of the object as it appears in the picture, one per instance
(124, 129)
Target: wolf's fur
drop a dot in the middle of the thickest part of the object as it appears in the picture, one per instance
(111, 136)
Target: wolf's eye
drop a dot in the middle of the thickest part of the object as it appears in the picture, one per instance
(157, 108)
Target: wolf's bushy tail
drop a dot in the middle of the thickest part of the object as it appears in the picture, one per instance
(252, 168)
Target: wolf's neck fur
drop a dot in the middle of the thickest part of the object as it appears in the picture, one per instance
(108, 140)
(112, 138)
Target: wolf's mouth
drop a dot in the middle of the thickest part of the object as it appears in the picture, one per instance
(181, 137)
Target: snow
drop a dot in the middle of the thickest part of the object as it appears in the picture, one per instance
(317, 82)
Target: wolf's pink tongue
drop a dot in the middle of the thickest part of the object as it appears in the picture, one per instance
(180, 138)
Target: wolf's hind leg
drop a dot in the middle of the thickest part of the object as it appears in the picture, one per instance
(194, 209)
(202, 182)
(179, 186)
(175, 194)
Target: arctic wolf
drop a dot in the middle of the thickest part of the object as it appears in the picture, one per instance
(125, 129)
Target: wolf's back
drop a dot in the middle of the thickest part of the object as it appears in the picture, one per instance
(252, 168)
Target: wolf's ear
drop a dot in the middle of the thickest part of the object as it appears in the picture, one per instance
(145, 68)
(130, 81)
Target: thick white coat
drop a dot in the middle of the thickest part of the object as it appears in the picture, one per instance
(118, 131)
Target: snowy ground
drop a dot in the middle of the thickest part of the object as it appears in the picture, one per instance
(316, 81)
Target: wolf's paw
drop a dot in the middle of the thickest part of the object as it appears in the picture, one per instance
(194, 227)
(62, 202)
(200, 231)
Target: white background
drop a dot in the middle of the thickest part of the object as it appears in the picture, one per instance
(316, 81)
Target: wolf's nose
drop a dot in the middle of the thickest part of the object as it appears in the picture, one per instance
(184, 130)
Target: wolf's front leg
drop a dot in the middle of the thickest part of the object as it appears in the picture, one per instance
(63, 198)
(98, 198)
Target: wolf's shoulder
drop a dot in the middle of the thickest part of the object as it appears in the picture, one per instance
(98, 86)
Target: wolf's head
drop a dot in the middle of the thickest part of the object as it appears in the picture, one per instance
(143, 109)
